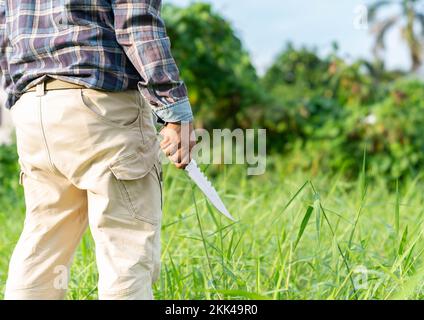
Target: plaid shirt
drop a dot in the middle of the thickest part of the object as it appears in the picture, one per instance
(111, 45)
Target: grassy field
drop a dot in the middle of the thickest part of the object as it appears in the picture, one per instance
(297, 237)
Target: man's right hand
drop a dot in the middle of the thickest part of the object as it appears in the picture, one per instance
(178, 141)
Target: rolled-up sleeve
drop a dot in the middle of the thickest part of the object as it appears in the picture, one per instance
(141, 32)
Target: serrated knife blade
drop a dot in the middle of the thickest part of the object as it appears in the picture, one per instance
(209, 191)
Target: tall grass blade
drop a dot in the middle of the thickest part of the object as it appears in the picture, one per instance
(403, 241)
(346, 263)
(294, 197)
(363, 193)
(303, 225)
(205, 247)
(397, 208)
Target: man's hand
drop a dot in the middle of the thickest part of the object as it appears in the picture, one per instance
(178, 141)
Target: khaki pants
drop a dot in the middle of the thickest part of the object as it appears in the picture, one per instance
(88, 158)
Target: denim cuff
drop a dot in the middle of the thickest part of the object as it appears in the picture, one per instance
(179, 111)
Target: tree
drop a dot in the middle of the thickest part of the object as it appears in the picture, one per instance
(221, 80)
(408, 18)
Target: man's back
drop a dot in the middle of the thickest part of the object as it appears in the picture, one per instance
(111, 45)
(69, 39)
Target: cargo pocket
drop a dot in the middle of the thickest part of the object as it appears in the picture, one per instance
(140, 186)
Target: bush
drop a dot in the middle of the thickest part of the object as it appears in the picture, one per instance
(389, 131)
(395, 142)
(9, 171)
(311, 94)
(326, 112)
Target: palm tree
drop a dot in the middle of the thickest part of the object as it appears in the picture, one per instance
(411, 21)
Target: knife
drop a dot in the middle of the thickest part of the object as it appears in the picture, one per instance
(209, 191)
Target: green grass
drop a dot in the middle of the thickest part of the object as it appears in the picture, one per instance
(297, 237)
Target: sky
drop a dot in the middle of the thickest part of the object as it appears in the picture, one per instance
(266, 26)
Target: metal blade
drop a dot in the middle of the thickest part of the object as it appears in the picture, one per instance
(203, 183)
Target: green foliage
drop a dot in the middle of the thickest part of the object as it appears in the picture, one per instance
(312, 94)
(314, 108)
(396, 142)
(324, 111)
(221, 79)
(9, 171)
(389, 130)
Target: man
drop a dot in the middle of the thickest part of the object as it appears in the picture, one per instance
(87, 145)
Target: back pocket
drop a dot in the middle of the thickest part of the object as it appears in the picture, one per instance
(119, 109)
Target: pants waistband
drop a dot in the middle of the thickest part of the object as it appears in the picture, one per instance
(53, 84)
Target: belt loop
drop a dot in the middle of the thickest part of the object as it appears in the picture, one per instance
(40, 91)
